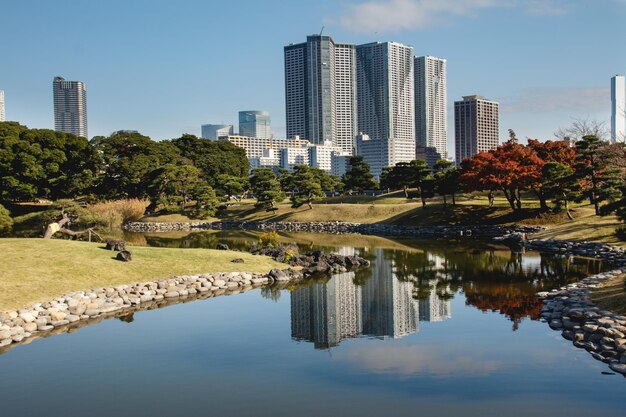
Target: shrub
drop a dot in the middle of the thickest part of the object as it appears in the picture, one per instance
(117, 212)
(268, 239)
(6, 222)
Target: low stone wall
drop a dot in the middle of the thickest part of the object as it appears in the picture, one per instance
(377, 229)
(68, 311)
(571, 311)
(599, 250)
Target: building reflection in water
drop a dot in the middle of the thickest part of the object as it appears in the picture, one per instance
(327, 313)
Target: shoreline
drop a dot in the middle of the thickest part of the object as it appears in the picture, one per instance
(80, 308)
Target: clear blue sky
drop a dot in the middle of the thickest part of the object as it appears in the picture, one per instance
(166, 67)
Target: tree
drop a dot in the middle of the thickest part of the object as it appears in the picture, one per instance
(232, 185)
(582, 127)
(329, 183)
(214, 158)
(401, 176)
(41, 163)
(550, 152)
(306, 187)
(446, 180)
(175, 184)
(266, 188)
(559, 183)
(129, 161)
(510, 167)
(6, 222)
(359, 178)
(423, 180)
(599, 180)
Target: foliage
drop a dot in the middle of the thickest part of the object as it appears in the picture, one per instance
(306, 186)
(129, 161)
(214, 158)
(41, 163)
(446, 180)
(232, 186)
(268, 239)
(266, 188)
(6, 222)
(119, 212)
(599, 179)
(359, 178)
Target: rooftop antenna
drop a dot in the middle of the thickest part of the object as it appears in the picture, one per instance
(321, 30)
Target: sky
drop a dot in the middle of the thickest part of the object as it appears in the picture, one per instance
(166, 67)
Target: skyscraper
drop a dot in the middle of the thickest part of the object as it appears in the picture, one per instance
(70, 106)
(2, 115)
(385, 91)
(255, 124)
(618, 109)
(431, 101)
(320, 91)
(476, 126)
(214, 132)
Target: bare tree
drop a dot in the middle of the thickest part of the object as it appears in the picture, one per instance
(583, 127)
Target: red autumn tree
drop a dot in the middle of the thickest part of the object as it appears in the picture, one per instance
(550, 151)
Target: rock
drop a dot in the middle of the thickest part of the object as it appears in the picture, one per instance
(221, 246)
(57, 316)
(5, 334)
(618, 367)
(238, 261)
(27, 317)
(116, 245)
(171, 294)
(29, 327)
(124, 256)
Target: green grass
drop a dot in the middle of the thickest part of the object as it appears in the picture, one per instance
(36, 270)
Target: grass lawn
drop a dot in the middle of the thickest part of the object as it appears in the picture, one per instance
(37, 270)
(612, 295)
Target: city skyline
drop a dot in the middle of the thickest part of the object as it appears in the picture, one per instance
(535, 99)
(70, 106)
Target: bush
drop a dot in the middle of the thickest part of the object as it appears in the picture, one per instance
(6, 222)
(268, 239)
(117, 212)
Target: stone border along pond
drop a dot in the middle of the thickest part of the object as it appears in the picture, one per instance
(571, 311)
(80, 308)
(377, 229)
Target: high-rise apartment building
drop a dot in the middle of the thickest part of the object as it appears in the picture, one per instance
(476, 126)
(70, 106)
(255, 124)
(431, 104)
(385, 91)
(618, 109)
(2, 115)
(320, 91)
(214, 132)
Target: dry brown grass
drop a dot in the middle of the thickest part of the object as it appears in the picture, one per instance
(611, 295)
(118, 212)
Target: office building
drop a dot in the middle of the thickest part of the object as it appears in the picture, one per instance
(70, 106)
(476, 126)
(431, 114)
(214, 132)
(320, 91)
(255, 124)
(618, 109)
(2, 114)
(385, 91)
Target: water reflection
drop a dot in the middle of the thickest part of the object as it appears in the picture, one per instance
(403, 288)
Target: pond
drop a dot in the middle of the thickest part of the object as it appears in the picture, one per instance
(432, 328)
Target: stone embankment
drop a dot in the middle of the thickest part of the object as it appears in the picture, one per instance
(377, 229)
(571, 311)
(73, 310)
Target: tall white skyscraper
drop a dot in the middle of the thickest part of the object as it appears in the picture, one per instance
(618, 109)
(2, 115)
(255, 124)
(385, 91)
(70, 106)
(320, 91)
(431, 105)
(476, 126)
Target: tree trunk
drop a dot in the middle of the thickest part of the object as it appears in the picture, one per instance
(406, 192)
(57, 226)
(454, 200)
(569, 215)
(309, 204)
(509, 197)
(491, 198)
(445, 203)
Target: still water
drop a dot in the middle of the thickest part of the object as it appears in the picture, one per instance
(432, 328)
